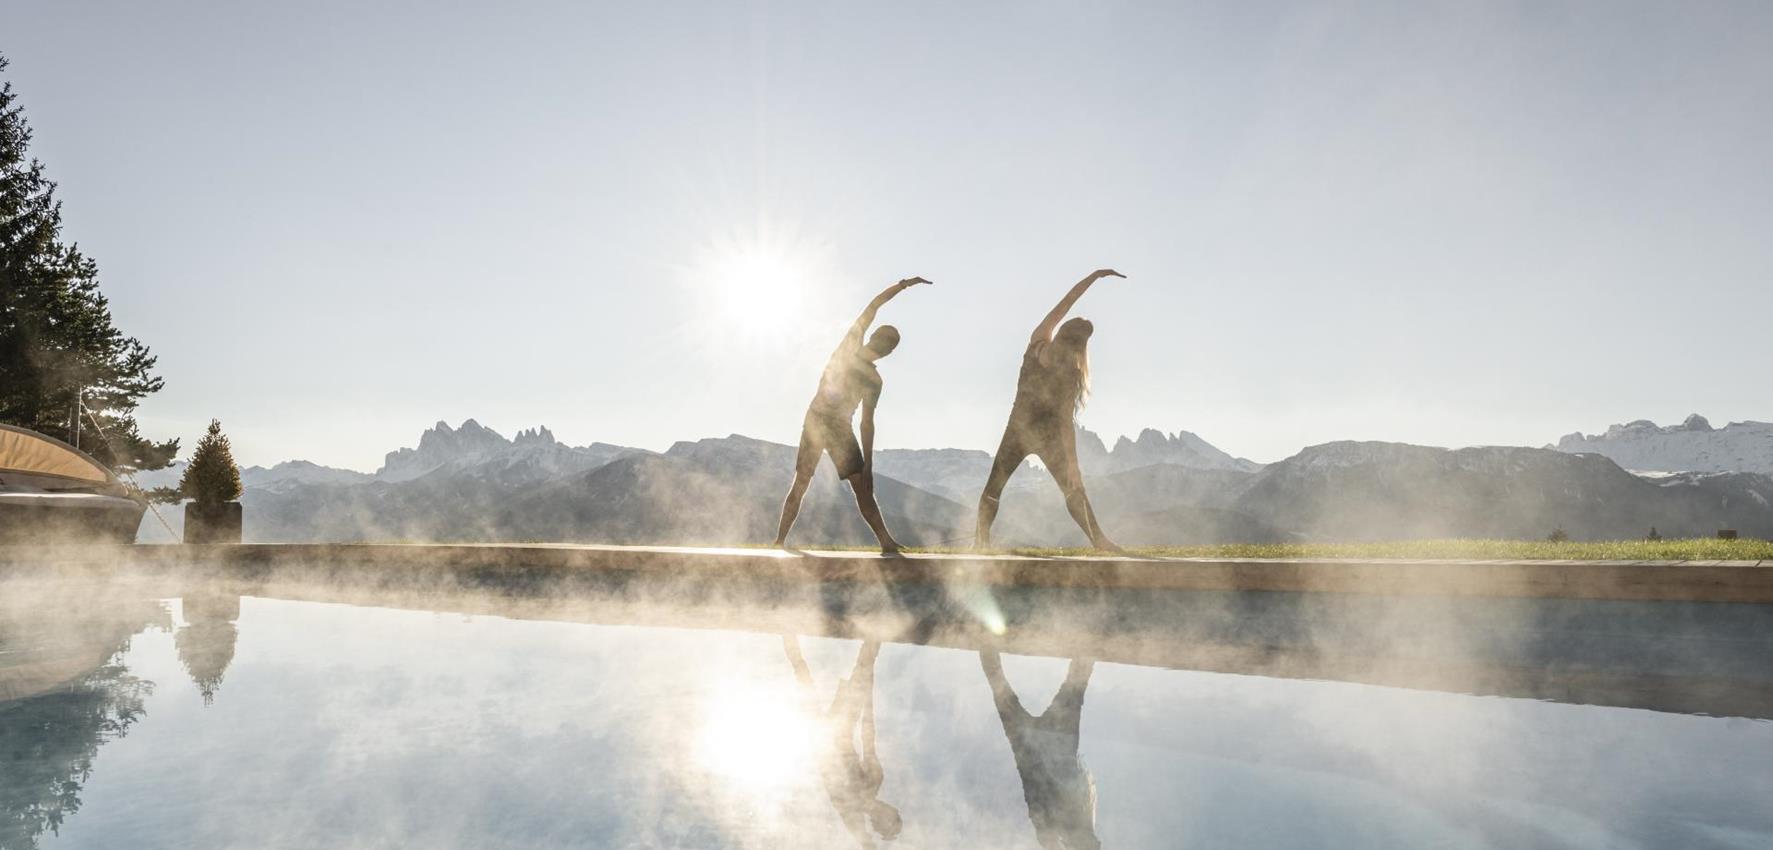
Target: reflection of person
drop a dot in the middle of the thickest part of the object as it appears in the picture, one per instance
(1054, 380)
(852, 779)
(1060, 791)
(850, 379)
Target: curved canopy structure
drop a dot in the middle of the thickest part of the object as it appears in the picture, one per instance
(32, 453)
(51, 492)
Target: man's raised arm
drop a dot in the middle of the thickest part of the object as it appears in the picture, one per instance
(867, 317)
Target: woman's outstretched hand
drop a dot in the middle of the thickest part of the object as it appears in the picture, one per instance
(913, 281)
(1102, 273)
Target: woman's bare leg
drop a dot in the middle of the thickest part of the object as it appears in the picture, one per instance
(1062, 463)
(1010, 455)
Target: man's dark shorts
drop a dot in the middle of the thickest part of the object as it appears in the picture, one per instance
(834, 437)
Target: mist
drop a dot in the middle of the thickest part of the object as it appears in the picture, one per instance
(774, 425)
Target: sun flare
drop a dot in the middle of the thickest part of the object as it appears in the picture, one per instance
(758, 288)
(757, 283)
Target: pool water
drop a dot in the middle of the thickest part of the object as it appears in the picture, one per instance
(218, 721)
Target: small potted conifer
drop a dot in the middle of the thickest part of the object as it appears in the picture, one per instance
(212, 483)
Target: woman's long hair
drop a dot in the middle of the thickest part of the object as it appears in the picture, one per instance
(1073, 340)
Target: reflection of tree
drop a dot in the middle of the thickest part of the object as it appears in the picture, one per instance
(206, 643)
(63, 693)
(1060, 792)
(852, 779)
(47, 745)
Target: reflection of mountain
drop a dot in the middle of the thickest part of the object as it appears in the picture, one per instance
(62, 696)
(206, 643)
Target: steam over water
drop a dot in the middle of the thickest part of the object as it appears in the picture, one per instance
(220, 721)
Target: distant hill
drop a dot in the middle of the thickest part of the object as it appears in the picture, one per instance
(1183, 448)
(472, 484)
(1392, 491)
(722, 491)
(533, 455)
(960, 473)
(285, 474)
(725, 490)
(1692, 446)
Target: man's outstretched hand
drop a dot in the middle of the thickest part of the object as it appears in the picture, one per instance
(913, 281)
(1102, 273)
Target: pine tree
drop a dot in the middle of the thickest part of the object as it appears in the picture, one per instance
(58, 347)
(212, 477)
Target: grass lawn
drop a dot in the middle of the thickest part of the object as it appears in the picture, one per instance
(1696, 549)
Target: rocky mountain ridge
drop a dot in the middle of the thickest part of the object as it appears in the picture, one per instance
(1692, 446)
(472, 484)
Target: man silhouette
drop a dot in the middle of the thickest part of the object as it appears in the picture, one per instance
(852, 778)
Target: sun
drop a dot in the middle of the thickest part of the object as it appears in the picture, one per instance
(758, 287)
(756, 283)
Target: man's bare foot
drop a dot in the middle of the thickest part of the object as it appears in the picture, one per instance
(1106, 545)
(891, 547)
(781, 543)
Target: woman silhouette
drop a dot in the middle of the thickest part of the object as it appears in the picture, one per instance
(849, 380)
(1055, 379)
(1059, 789)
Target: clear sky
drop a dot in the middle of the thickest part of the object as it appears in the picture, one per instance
(1444, 223)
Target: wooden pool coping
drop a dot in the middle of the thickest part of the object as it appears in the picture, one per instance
(1688, 581)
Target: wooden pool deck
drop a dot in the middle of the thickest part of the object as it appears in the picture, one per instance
(1687, 581)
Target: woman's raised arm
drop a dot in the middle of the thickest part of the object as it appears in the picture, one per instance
(1044, 333)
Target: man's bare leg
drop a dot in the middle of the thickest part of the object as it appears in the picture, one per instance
(862, 483)
(791, 505)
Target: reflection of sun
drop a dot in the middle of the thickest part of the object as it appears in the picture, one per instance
(759, 740)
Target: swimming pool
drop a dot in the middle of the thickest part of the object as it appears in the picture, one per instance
(174, 712)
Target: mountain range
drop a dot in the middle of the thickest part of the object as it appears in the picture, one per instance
(470, 483)
(1692, 446)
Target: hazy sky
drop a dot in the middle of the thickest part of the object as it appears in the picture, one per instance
(1452, 224)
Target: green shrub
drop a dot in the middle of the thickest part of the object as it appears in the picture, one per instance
(212, 476)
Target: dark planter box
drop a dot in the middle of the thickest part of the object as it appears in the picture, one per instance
(216, 522)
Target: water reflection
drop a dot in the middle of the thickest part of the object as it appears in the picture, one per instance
(206, 643)
(446, 730)
(849, 764)
(1059, 789)
(64, 692)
